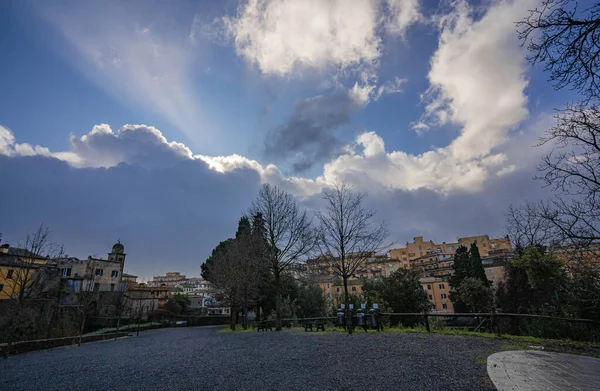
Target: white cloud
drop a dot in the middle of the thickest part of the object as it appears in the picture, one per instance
(400, 15)
(477, 77)
(283, 36)
(464, 90)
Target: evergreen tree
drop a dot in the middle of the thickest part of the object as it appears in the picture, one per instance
(462, 266)
(217, 252)
(311, 301)
(400, 292)
(462, 270)
(477, 270)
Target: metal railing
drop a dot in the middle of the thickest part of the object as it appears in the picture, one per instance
(544, 326)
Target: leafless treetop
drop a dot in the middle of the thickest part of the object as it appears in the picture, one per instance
(346, 234)
(566, 38)
(288, 229)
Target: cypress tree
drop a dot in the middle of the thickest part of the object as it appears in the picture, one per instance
(477, 269)
(462, 270)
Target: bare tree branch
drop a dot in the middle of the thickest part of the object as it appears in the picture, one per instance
(346, 235)
(289, 234)
(558, 35)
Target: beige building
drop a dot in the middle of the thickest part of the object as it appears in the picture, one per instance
(438, 293)
(94, 273)
(434, 261)
(170, 279)
(419, 247)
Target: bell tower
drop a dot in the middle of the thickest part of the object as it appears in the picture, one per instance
(117, 254)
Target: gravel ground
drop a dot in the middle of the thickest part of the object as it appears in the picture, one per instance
(202, 358)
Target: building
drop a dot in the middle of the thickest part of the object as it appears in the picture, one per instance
(171, 280)
(24, 274)
(434, 262)
(420, 247)
(438, 293)
(94, 273)
(197, 290)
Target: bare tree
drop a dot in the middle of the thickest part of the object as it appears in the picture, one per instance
(572, 171)
(29, 276)
(87, 297)
(567, 42)
(527, 227)
(122, 302)
(347, 236)
(289, 235)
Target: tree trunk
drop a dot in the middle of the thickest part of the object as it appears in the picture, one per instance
(118, 324)
(347, 309)
(81, 329)
(245, 313)
(277, 302)
(138, 322)
(232, 315)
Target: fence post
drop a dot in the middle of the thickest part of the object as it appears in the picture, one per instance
(427, 322)
(497, 323)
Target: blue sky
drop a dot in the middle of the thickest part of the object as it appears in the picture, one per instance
(429, 107)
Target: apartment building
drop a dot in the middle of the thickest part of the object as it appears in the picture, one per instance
(438, 293)
(419, 247)
(435, 262)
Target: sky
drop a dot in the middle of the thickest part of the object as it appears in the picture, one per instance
(157, 122)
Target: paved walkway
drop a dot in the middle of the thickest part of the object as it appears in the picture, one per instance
(534, 370)
(197, 358)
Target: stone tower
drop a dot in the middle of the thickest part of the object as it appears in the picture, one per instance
(118, 254)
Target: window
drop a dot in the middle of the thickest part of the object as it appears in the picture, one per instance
(66, 271)
(428, 287)
(114, 274)
(328, 286)
(337, 290)
(99, 272)
(443, 296)
(353, 289)
(9, 275)
(442, 286)
(112, 287)
(96, 287)
(445, 306)
(484, 244)
(430, 297)
(328, 294)
(1, 287)
(420, 253)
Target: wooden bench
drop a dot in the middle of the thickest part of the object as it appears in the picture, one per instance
(264, 326)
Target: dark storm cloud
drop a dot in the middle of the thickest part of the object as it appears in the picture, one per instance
(169, 218)
(309, 136)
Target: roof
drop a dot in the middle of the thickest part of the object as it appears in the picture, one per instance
(128, 275)
(21, 252)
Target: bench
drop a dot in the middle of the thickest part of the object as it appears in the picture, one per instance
(264, 326)
(318, 325)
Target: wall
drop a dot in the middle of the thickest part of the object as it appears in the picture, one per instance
(434, 288)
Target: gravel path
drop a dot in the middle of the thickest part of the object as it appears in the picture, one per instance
(202, 358)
